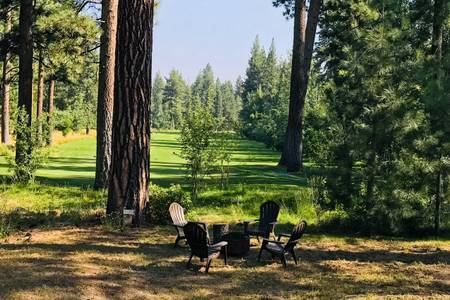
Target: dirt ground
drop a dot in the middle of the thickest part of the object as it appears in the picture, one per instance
(91, 263)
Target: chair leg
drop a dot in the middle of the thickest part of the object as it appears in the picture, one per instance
(294, 256)
(176, 241)
(208, 264)
(225, 255)
(283, 260)
(189, 261)
(260, 253)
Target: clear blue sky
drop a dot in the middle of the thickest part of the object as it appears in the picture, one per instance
(191, 33)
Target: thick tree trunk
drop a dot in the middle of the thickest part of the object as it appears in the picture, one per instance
(291, 150)
(130, 172)
(51, 98)
(6, 82)
(304, 37)
(25, 74)
(106, 93)
(40, 96)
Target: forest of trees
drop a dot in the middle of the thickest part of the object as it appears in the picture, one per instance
(363, 104)
(172, 98)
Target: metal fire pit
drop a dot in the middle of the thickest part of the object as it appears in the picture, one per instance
(238, 244)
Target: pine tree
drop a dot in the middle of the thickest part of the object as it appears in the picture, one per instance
(175, 98)
(129, 184)
(252, 83)
(105, 102)
(157, 110)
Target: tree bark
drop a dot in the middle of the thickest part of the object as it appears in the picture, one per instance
(130, 172)
(438, 201)
(6, 82)
(437, 39)
(40, 96)
(438, 20)
(51, 98)
(105, 104)
(25, 74)
(304, 37)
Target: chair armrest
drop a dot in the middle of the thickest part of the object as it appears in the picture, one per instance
(203, 224)
(272, 241)
(249, 221)
(280, 235)
(178, 225)
(218, 245)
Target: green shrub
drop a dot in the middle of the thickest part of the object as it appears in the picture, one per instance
(5, 150)
(32, 154)
(6, 225)
(334, 220)
(157, 210)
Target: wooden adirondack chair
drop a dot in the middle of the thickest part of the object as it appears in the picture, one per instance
(178, 220)
(268, 214)
(281, 250)
(198, 240)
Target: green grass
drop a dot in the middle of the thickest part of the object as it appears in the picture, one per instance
(63, 185)
(73, 164)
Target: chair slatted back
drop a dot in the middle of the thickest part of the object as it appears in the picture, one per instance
(197, 239)
(268, 213)
(177, 214)
(297, 233)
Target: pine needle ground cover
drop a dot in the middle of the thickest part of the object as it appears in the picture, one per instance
(91, 263)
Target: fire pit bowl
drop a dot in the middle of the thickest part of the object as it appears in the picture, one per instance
(238, 244)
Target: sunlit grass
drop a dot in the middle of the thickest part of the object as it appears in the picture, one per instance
(63, 185)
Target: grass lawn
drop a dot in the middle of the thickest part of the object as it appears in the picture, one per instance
(68, 255)
(72, 163)
(91, 263)
(63, 187)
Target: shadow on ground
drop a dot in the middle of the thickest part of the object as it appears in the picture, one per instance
(92, 263)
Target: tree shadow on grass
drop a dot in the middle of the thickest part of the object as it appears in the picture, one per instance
(146, 262)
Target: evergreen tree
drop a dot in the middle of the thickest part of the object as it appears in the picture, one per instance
(129, 183)
(204, 87)
(175, 98)
(157, 110)
(106, 92)
(251, 84)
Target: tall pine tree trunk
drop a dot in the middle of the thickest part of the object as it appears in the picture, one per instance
(25, 76)
(130, 172)
(437, 39)
(290, 156)
(105, 102)
(304, 37)
(6, 81)
(40, 96)
(51, 98)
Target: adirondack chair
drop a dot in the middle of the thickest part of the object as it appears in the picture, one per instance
(178, 220)
(268, 214)
(198, 240)
(281, 250)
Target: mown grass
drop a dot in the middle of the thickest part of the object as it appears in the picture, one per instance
(63, 186)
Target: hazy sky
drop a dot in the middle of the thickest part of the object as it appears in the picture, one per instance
(191, 33)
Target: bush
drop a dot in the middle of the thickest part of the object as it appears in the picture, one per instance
(334, 221)
(157, 210)
(30, 155)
